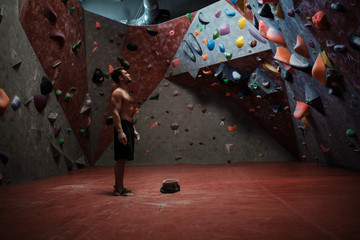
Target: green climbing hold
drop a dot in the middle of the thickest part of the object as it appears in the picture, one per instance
(67, 96)
(76, 45)
(255, 86)
(226, 80)
(61, 141)
(350, 132)
(58, 93)
(134, 119)
(82, 131)
(111, 39)
(118, 58)
(101, 93)
(197, 25)
(106, 75)
(72, 10)
(280, 29)
(188, 15)
(228, 55)
(216, 34)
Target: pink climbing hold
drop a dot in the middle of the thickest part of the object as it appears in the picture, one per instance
(320, 21)
(175, 62)
(217, 13)
(224, 30)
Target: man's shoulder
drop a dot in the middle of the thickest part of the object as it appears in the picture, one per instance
(118, 92)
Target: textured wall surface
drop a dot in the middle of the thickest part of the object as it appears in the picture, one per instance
(26, 134)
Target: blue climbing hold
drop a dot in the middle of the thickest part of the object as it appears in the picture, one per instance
(211, 45)
(222, 47)
(228, 13)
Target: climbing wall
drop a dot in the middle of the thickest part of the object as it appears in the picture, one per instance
(29, 144)
(323, 82)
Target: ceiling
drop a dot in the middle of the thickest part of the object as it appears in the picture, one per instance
(124, 10)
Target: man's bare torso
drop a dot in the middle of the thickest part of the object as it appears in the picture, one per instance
(127, 106)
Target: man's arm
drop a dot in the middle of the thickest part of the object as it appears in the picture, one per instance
(116, 100)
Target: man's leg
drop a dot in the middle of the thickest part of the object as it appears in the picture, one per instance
(119, 173)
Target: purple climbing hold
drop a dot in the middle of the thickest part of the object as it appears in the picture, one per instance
(291, 12)
(211, 45)
(217, 13)
(311, 43)
(50, 13)
(224, 30)
(174, 126)
(120, 33)
(40, 102)
(330, 43)
(190, 106)
(177, 158)
(57, 129)
(58, 36)
(256, 36)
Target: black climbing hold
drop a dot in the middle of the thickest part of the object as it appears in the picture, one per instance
(46, 86)
(188, 51)
(354, 41)
(132, 46)
(125, 64)
(155, 96)
(203, 19)
(98, 76)
(256, 22)
(339, 48)
(265, 11)
(109, 120)
(286, 75)
(151, 32)
(313, 99)
(194, 44)
(337, 7)
(3, 158)
(335, 92)
(58, 36)
(297, 11)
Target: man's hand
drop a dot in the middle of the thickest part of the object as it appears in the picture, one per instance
(137, 135)
(122, 138)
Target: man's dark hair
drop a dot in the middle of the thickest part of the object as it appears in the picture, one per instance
(116, 73)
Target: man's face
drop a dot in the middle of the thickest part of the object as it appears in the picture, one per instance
(125, 76)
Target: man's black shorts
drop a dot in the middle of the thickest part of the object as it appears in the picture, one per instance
(122, 151)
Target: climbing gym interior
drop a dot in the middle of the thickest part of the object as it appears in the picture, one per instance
(250, 106)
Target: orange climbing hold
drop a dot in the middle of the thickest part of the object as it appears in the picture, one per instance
(275, 36)
(318, 71)
(301, 48)
(263, 29)
(232, 128)
(214, 84)
(205, 56)
(208, 72)
(205, 41)
(282, 55)
(227, 94)
(89, 122)
(154, 125)
(4, 100)
(97, 25)
(279, 12)
(197, 32)
(111, 69)
(301, 110)
(175, 63)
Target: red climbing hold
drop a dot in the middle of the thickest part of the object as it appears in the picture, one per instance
(175, 63)
(301, 110)
(263, 29)
(320, 21)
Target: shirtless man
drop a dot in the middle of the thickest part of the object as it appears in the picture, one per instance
(124, 130)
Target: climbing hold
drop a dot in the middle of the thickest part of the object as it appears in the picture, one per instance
(236, 75)
(97, 25)
(340, 48)
(211, 45)
(224, 29)
(279, 12)
(4, 158)
(98, 76)
(205, 56)
(350, 132)
(155, 96)
(15, 104)
(318, 71)
(301, 110)
(240, 41)
(58, 36)
(46, 86)
(267, 1)
(296, 63)
(229, 13)
(188, 51)
(313, 99)
(203, 19)
(217, 13)
(204, 41)
(57, 129)
(190, 106)
(216, 34)
(253, 43)
(256, 36)
(125, 64)
(263, 29)
(265, 11)
(171, 32)
(40, 102)
(300, 47)
(242, 23)
(228, 147)
(132, 46)
(52, 117)
(196, 33)
(203, 110)
(275, 37)
(286, 75)
(75, 46)
(176, 93)
(319, 20)
(61, 141)
(354, 41)
(282, 55)
(222, 47)
(175, 62)
(291, 12)
(67, 96)
(151, 32)
(58, 92)
(194, 44)
(111, 39)
(50, 13)
(337, 7)
(232, 128)
(72, 9)
(175, 127)
(228, 55)
(311, 43)
(4, 100)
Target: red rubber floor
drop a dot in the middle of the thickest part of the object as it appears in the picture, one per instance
(287, 200)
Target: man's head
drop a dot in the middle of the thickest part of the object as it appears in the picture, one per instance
(120, 75)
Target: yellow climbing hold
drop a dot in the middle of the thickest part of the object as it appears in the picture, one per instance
(270, 67)
(242, 22)
(326, 59)
(240, 41)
